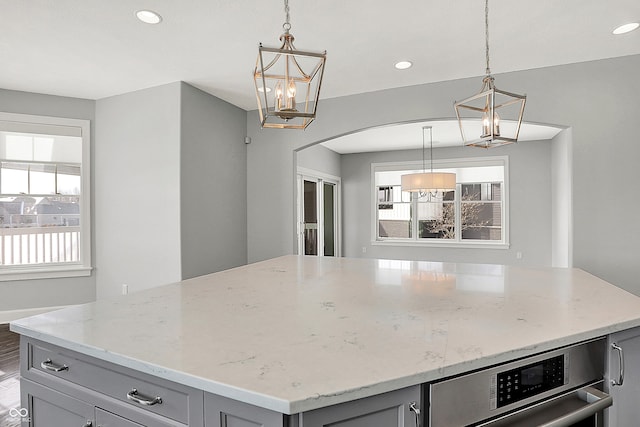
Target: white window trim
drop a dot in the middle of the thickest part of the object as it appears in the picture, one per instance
(51, 271)
(441, 164)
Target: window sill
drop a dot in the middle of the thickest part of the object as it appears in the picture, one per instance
(441, 244)
(48, 272)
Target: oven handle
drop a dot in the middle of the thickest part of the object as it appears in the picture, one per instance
(597, 400)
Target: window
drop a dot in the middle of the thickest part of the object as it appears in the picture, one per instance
(44, 197)
(472, 215)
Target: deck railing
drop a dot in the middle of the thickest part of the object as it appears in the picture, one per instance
(39, 245)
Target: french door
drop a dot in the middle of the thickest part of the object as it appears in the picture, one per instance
(318, 221)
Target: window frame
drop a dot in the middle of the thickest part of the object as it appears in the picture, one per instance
(441, 164)
(80, 268)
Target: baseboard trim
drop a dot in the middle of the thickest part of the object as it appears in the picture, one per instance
(11, 315)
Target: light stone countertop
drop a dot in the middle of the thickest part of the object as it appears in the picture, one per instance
(298, 333)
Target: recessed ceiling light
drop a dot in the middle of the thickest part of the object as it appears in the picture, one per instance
(261, 89)
(148, 16)
(403, 65)
(626, 28)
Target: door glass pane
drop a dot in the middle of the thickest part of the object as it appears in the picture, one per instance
(329, 220)
(310, 218)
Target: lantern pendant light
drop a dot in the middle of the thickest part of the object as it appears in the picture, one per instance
(287, 82)
(428, 183)
(499, 112)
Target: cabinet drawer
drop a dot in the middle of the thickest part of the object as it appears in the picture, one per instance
(53, 365)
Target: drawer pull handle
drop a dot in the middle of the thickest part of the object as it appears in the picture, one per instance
(620, 379)
(142, 399)
(50, 366)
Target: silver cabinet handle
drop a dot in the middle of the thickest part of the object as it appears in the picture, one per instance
(142, 399)
(50, 366)
(620, 379)
(88, 424)
(597, 402)
(413, 407)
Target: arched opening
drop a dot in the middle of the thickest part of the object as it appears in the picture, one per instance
(538, 180)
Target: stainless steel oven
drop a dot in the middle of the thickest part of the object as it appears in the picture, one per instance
(558, 388)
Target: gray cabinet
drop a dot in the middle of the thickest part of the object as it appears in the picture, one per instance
(222, 412)
(391, 409)
(59, 384)
(625, 410)
(48, 407)
(65, 388)
(107, 419)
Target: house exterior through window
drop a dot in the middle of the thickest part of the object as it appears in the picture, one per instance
(44, 197)
(474, 214)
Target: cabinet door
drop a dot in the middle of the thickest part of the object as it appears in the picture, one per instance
(222, 412)
(625, 410)
(49, 408)
(107, 419)
(385, 410)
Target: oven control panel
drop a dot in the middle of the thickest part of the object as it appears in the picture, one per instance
(525, 381)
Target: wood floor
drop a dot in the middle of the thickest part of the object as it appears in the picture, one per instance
(9, 376)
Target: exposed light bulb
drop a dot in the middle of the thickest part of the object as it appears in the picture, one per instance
(278, 96)
(486, 124)
(291, 95)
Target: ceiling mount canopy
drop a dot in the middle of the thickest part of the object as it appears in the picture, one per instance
(287, 82)
(428, 183)
(493, 109)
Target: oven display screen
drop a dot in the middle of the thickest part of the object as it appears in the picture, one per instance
(529, 380)
(532, 376)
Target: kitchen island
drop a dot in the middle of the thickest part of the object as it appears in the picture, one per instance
(295, 334)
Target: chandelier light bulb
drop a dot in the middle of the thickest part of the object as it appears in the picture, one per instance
(278, 97)
(291, 96)
(486, 124)
(291, 89)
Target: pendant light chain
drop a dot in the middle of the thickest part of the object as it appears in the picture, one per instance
(287, 24)
(486, 33)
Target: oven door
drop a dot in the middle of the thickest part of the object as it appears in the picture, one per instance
(580, 408)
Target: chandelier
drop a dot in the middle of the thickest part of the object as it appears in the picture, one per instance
(287, 82)
(428, 183)
(499, 113)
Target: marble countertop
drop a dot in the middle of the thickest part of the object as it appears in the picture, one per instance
(298, 333)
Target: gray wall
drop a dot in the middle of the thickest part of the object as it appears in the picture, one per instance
(137, 190)
(25, 294)
(601, 110)
(529, 201)
(213, 182)
(319, 159)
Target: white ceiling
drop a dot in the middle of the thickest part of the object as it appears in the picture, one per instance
(406, 136)
(97, 48)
